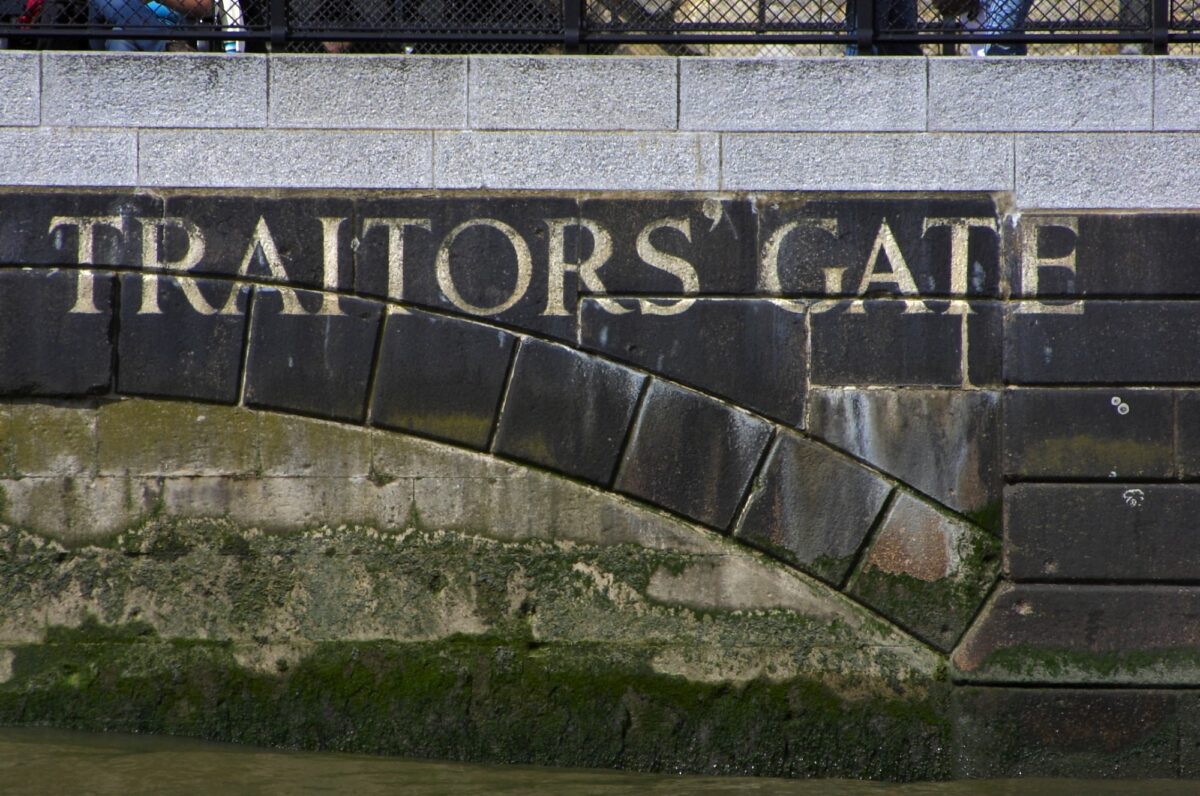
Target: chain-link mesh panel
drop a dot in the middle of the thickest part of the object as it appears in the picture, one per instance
(421, 19)
(715, 16)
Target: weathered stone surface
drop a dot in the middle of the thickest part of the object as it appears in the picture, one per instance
(567, 411)
(165, 438)
(76, 509)
(812, 508)
(1083, 734)
(752, 352)
(927, 571)
(691, 454)
(316, 364)
(1113, 342)
(671, 247)
(67, 156)
(55, 329)
(298, 447)
(1187, 432)
(927, 246)
(41, 440)
(440, 377)
(1112, 532)
(1092, 433)
(176, 340)
(506, 260)
(946, 444)
(282, 240)
(1105, 255)
(894, 342)
(44, 228)
(1054, 633)
(19, 104)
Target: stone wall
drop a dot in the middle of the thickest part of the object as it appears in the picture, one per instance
(661, 395)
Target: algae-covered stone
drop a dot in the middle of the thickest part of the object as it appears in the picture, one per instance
(45, 440)
(927, 571)
(141, 437)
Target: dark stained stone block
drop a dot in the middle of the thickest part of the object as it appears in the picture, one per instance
(181, 337)
(1108, 255)
(945, 443)
(886, 342)
(881, 247)
(750, 352)
(1084, 734)
(1113, 342)
(1094, 433)
(567, 410)
(691, 454)
(282, 240)
(1113, 532)
(39, 228)
(505, 260)
(316, 358)
(812, 507)
(672, 247)
(1075, 634)
(55, 332)
(927, 571)
(1188, 430)
(441, 377)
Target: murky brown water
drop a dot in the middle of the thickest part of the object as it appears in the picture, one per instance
(42, 761)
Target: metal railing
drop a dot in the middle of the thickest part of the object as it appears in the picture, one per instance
(603, 26)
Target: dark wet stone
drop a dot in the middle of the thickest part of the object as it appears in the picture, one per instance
(1114, 532)
(1111, 342)
(941, 442)
(901, 343)
(485, 274)
(751, 352)
(691, 454)
(567, 410)
(441, 377)
(1076, 634)
(927, 571)
(35, 228)
(307, 358)
(55, 332)
(1095, 433)
(270, 239)
(1188, 431)
(812, 507)
(849, 247)
(673, 247)
(181, 337)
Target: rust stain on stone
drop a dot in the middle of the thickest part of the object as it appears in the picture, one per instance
(914, 546)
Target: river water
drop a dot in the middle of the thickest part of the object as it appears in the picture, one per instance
(44, 761)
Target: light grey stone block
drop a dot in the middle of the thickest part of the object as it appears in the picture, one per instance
(67, 158)
(154, 89)
(21, 88)
(285, 159)
(1040, 94)
(586, 161)
(796, 94)
(1131, 170)
(867, 162)
(539, 93)
(388, 92)
(1175, 82)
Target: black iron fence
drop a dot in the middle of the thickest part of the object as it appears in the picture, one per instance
(600, 26)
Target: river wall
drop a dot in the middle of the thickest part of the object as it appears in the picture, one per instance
(811, 417)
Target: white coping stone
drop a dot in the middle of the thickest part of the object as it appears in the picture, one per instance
(154, 89)
(1131, 170)
(802, 94)
(1176, 83)
(379, 91)
(75, 157)
(285, 159)
(20, 88)
(1040, 94)
(867, 162)
(586, 161)
(573, 93)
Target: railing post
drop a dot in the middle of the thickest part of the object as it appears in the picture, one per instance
(572, 25)
(1160, 25)
(279, 23)
(864, 12)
